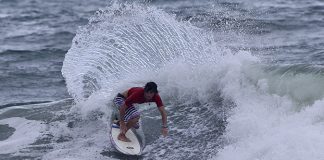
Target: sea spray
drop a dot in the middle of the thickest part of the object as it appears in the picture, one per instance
(125, 39)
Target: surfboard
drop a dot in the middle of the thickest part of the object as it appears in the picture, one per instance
(128, 148)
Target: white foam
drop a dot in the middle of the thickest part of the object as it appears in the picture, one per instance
(26, 133)
(88, 137)
(4, 15)
(268, 135)
(264, 125)
(126, 39)
(268, 126)
(87, 141)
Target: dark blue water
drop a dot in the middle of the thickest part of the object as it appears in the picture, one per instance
(35, 37)
(237, 77)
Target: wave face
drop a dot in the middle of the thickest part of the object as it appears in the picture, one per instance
(278, 115)
(221, 105)
(222, 102)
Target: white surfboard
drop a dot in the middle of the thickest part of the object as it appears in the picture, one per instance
(129, 148)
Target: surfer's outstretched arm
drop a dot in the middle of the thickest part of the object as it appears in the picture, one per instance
(164, 121)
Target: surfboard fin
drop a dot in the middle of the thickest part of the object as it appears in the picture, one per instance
(115, 124)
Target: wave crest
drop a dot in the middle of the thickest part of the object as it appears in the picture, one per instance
(128, 38)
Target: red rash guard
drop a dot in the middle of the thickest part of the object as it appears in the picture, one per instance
(136, 95)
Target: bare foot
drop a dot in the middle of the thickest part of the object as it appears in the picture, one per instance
(123, 138)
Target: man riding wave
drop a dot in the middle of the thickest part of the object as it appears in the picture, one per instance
(129, 115)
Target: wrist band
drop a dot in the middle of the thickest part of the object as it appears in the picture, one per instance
(164, 126)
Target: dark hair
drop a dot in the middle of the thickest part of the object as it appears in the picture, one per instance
(151, 87)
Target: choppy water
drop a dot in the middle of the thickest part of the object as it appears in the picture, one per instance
(240, 79)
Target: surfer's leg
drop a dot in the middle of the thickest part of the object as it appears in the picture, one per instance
(132, 123)
(122, 137)
(132, 116)
(118, 101)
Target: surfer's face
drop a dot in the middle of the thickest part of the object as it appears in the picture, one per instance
(148, 95)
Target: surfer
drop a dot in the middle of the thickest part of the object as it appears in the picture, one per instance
(128, 114)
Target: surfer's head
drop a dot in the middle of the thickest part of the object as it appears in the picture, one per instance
(151, 87)
(150, 90)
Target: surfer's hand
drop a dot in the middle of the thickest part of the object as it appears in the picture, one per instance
(123, 127)
(164, 131)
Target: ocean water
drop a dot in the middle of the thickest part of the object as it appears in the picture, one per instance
(240, 80)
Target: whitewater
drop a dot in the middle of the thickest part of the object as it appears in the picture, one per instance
(222, 103)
